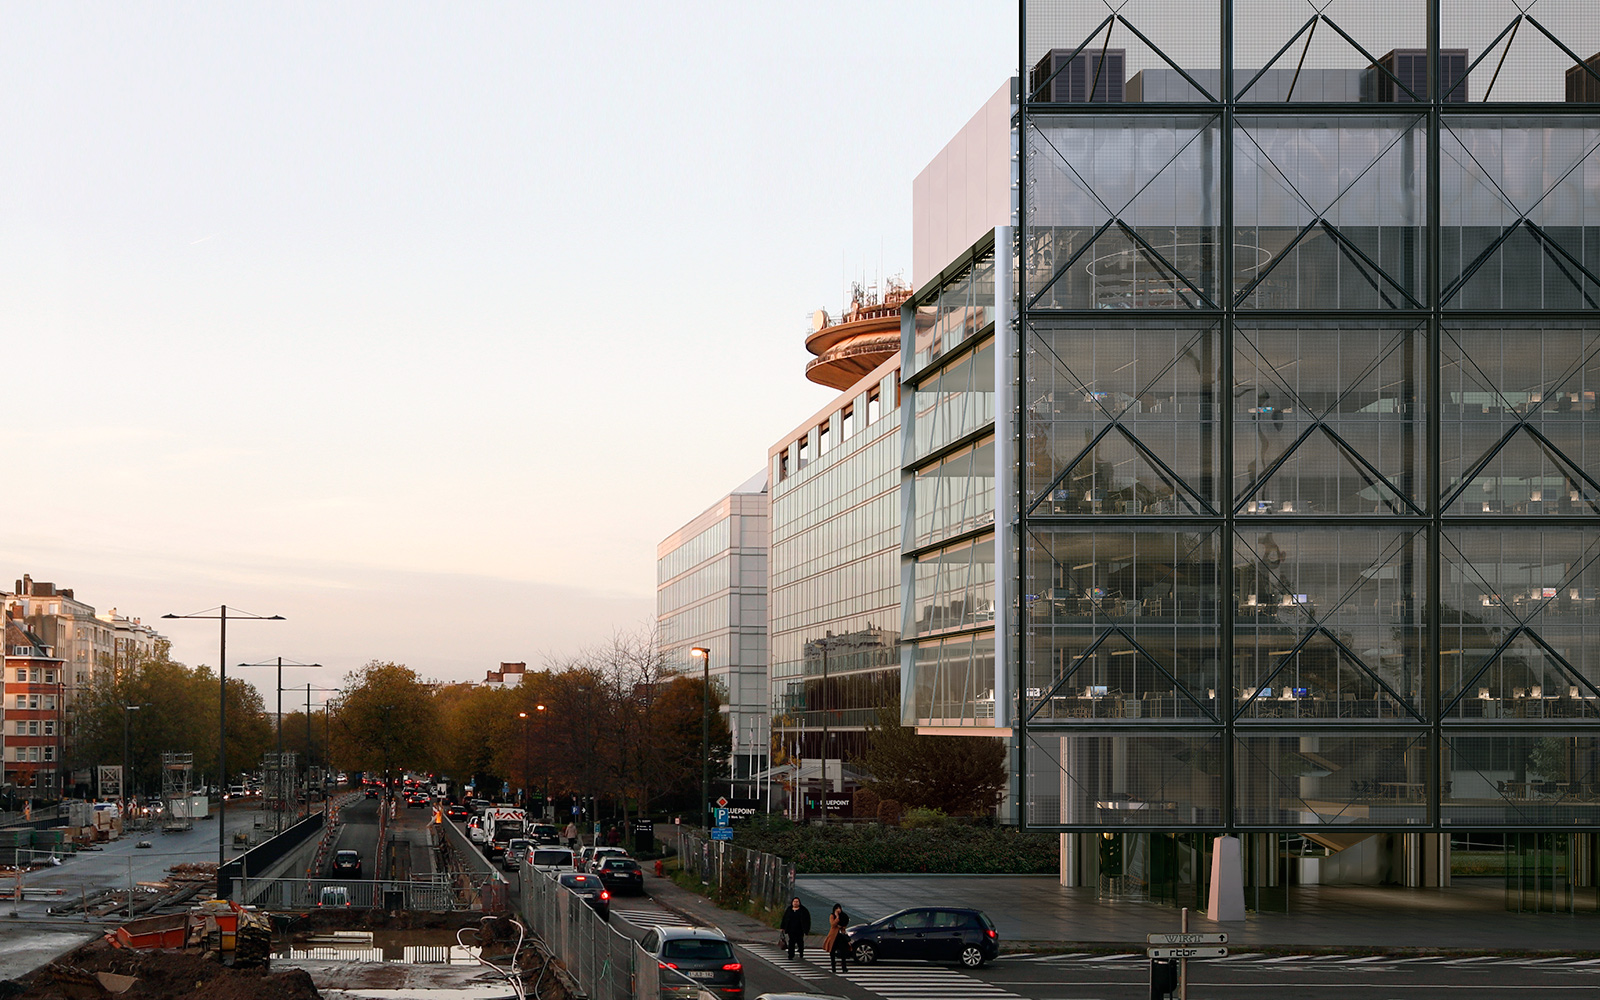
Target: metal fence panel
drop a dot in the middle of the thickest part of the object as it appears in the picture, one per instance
(306, 893)
(717, 863)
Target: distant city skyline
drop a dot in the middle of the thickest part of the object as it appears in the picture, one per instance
(422, 326)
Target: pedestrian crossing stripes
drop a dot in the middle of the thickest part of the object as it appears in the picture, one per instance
(796, 967)
(650, 917)
(923, 982)
(1258, 958)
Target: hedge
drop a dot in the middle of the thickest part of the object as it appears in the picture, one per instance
(870, 848)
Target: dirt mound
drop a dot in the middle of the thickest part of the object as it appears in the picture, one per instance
(160, 976)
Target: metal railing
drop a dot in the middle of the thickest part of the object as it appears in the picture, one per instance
(765, 878)
(604, 963)
(437, 895)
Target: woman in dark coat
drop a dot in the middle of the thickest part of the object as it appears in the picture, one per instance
(837, 943)
(796, 924)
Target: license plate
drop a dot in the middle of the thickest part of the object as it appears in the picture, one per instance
(702, 975)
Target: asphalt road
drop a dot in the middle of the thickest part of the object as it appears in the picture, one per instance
(359, 832)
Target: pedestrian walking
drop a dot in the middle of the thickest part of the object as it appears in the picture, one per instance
(796, 924)
(837, 943)
(571, 833)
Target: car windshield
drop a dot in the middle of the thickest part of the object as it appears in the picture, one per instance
(693, 948)
(577, 881)
(552, 858)
(349, 856)
(621, 864)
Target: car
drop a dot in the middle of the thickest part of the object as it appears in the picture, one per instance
(551, 859)
(372, 791)
(457, 811)
(590, 890)
(700, 954)
(591, 861)
(476, 833)
(334, 895)
(347, 863)
(416, 800)
(934, 933)
(544, 833)
(621, 875)
(516, 850)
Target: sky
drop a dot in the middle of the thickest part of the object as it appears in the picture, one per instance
(422, 324)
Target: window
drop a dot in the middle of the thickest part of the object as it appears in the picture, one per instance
(873, 406)
(49, 701)
(83, 677)
(19, 727)
(49, 727)
(33, 753)
(783, 464)
(49, 676)
(22, 675)
(33, 727)
(33, 700)
(22, 701)
(49, 753)
(823, 443)
(802, 453)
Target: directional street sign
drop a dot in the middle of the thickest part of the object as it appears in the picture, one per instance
(1186, 939)
(1186, 952)
(725, 833)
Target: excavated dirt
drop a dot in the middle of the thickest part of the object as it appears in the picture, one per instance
(160, 976)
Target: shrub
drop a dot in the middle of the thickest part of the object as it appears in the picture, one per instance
(889, 812)
(922, 818)
(865, 803)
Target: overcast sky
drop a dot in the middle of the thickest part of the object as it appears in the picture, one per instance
(421, 324)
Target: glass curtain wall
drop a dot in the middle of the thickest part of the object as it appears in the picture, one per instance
(1308, 314)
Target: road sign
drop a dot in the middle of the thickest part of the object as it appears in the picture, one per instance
(722, 833)
(722, 816)
(723, 801)
(1185, 939)
(1186, 952)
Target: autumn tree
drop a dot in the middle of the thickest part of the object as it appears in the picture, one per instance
(961, 775)
(384, 721)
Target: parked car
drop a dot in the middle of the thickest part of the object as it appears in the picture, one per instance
(347, 863)
(598, 854)
(590, 890)
(516, 852)
(700, 953)
(935, 933)
(551, 859)
(621, 875)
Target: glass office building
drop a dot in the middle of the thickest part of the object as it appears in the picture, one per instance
(1309, 349)
(835, 576)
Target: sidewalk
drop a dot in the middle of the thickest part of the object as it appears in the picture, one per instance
(1033, 912)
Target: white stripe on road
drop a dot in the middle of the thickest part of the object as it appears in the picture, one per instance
(797, 967)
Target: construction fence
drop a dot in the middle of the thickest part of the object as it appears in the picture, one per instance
(765, 878)
(603, 963)
(438, 895)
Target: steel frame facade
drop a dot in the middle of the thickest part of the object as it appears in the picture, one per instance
(1219, 630)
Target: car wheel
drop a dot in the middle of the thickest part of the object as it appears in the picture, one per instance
(866, 954)
(972, 956)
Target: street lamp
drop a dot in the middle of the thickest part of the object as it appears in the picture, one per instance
(278, 826)
(526, 751)
(127, 759)
(704, 655)
(222, 716)
(544, 735)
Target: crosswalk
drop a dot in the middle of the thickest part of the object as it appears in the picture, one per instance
(650, 916)
(923, 982)
(773, 955)
(1258, 958)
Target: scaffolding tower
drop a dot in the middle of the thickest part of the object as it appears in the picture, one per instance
(279, 785)
(177, 774)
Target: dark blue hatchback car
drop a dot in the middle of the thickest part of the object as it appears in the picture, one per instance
(934, 933)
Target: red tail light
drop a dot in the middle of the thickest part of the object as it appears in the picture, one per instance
(732, 967)
(666, 965)
(991, 933)
(605, 895)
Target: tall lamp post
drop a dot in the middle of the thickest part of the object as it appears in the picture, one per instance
(127, 759)
(221, 615)
(278, 827)
(526, 752)
(704, 656)
(544, 735)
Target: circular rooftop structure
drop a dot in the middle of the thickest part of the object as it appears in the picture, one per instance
(866, 336)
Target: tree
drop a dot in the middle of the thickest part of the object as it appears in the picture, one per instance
(384, 721)
(962, 775)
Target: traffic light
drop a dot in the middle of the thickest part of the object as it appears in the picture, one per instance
(1163, 978)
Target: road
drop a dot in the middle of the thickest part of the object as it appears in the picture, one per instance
(413, 856)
